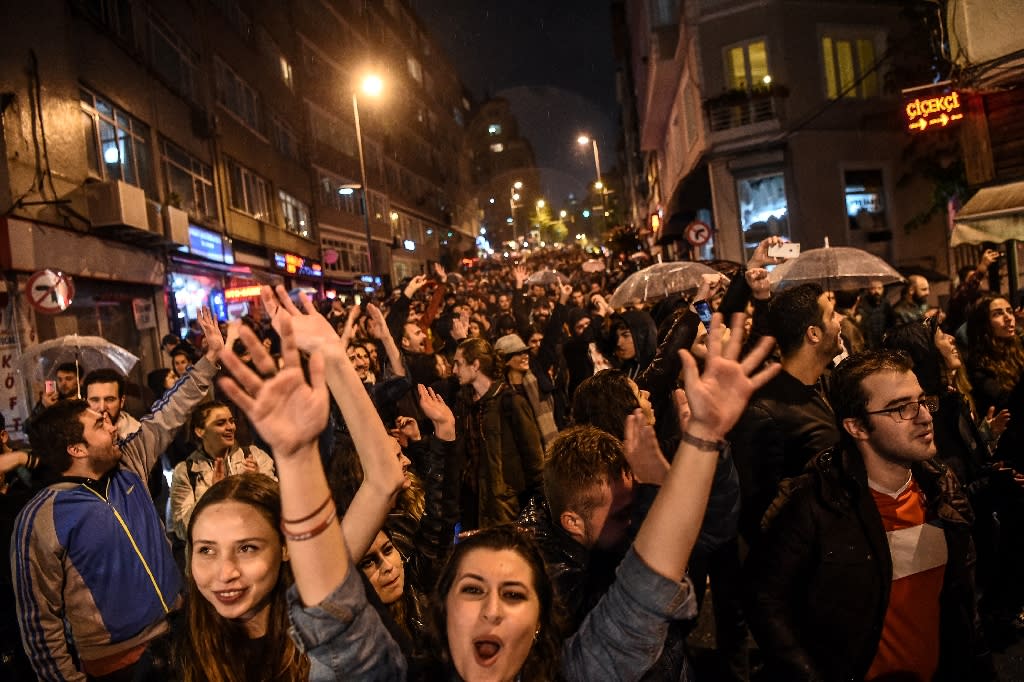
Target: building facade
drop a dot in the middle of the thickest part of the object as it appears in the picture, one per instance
(764, 117)
(167, 156)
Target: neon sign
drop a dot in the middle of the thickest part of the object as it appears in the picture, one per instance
(235, 293)
(940, 111)
(294, 264)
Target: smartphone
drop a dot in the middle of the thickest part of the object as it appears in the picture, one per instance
(787, 250)
(703, 309)
(50, 386)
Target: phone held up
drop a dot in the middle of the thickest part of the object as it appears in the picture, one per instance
(703, 309)
(787, 250)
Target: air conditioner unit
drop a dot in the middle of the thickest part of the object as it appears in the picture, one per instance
(176, 225)
(117, 203)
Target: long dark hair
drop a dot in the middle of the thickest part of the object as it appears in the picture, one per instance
(1004, 358)
(212, 647)
(543, 663)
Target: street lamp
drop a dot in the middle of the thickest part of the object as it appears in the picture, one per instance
(371, 86)
(513, 197)
(584, 140)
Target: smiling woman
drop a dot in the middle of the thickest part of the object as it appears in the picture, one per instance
(237, 618)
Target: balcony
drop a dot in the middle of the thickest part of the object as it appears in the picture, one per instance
(739, 108)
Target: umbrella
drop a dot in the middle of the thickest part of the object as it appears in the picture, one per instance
(546, 277)
(592, 265)
(729, 268)
(658, 281)
(88, 352)
(835, 268)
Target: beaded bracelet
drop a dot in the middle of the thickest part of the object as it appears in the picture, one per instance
(313, 532)
(311, 514)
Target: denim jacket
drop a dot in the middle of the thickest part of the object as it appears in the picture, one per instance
(344, 637)
(619, 640)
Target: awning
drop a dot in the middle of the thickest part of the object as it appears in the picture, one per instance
(994, 214)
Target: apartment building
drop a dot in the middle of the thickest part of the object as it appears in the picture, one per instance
(169, 155)
(766, 117)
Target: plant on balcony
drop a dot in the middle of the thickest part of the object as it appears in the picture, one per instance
(739, 96)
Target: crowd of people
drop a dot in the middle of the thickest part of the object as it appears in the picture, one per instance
(494, 475)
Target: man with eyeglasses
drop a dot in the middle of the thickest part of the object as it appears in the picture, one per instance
(864, 567)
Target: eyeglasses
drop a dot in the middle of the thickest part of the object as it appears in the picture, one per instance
(912, 409)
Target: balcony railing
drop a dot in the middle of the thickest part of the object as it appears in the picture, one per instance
(737, 108)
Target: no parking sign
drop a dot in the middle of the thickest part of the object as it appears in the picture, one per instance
(50, 291)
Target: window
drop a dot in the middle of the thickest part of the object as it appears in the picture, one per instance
(116, 15)
(497, 147)
(269, 47)
(250, 194)
(284, 138)
(236, 16)
(190, 181)
(172, 59)
(238, 97)
(664, 13)
(494, 129)
(351, 255)
(764, 210)
(117, 143)
(415, 70)
(746, 66)
(865, 200)
(332, 132)
(286, 73)
(340, 194)
(296, 214)
(849, 61)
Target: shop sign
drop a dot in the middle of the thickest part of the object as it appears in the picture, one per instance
(12, 396)
(144, 313)
(294, 264)
(209, 244)
(933, 109)
(237, 293)
(50, 291)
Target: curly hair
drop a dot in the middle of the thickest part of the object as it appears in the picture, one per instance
(543, 663)
(206, 650)
(1003, 358)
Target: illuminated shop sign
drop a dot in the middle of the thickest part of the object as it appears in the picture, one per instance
(931, 111)
(294, 264)
(236, 293)
(209, 244)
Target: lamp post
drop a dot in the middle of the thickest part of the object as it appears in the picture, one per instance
(584, 140)
(372, 86)
(513, 197)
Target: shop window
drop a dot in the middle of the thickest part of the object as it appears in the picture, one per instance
(117, 143)
(865, 202)
(190, 181)
(250, 194)
(763, 208)
(849, 61)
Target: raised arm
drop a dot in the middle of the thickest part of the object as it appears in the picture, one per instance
(380, 332)
(378, 451)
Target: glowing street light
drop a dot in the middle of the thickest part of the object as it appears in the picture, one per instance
(584, 140)
(513, 197)
(540, 203)
(371, 86)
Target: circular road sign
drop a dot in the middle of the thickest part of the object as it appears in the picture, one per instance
(698, 233)
(50, 291)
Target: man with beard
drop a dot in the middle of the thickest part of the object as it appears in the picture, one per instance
(875, 314)
(788, 420)
(94, 573)
(865, 566)
(914, 305)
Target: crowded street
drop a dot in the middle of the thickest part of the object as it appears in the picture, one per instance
(512, 342)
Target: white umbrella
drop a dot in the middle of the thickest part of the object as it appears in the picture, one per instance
(87, 352)
(834, 268)
(658, 281)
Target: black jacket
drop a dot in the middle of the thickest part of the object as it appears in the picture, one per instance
(785, 424)
(818, 578)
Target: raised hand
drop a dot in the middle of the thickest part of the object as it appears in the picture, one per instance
(997, 422)
(286, 410)
(760, 285)
(414, 285)
(311, 330)
(442, 276)
(760, 257)
(380, 327)
(350, 326)
(407, 429)
(520, 274)
(434, 407)
(211, 332)
(642, 451)
(564, 292)
(718, 396)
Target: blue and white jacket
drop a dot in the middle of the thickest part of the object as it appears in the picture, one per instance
(93, 570)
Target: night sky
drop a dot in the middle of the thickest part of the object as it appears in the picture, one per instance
(552, 59)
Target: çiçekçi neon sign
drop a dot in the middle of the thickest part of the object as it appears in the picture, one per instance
(930, 112)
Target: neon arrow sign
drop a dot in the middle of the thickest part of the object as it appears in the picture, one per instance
(938, 111)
